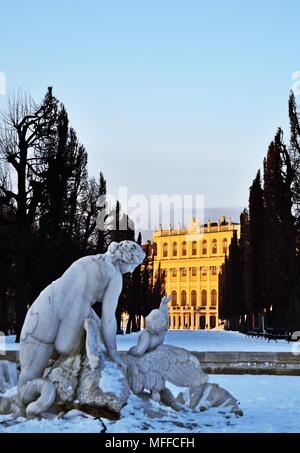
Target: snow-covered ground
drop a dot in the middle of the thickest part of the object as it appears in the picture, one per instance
(7, 343)
(195, 340)
(212, 340)
(271, 404)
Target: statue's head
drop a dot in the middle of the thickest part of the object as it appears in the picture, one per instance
(127, 254)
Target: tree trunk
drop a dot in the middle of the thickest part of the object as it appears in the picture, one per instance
(22, 238)
(21, 284)
(3, 312)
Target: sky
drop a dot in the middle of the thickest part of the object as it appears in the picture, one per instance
(169, 97)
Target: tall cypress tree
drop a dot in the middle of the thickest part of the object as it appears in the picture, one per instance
(101, 232)
(135, 297)
(294, 151)
(279, 234)
(257, 244)
(60, 234)
(234, 289)
(230, 286)
(121, 228)
(247, 302)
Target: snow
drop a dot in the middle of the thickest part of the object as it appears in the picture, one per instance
(9, 393)
(110, 380)
(271, 404)
(195, 340)
(77, 424)
(212, 340)
(7, 343)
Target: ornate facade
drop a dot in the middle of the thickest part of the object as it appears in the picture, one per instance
(191, 260)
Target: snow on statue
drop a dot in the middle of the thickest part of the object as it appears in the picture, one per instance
(55, 321)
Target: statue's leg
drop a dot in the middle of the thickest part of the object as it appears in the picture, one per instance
(41, 393)
(155, 395)
(142, 346)
(34, 358)
(35, 393)
(168, 399)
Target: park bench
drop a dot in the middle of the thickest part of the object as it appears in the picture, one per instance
(255, 333)
(275, 334)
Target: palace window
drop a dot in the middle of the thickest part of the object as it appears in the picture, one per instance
(174, 249)
(224, 246)
(204, 247)
(173, 272)
(165, 273)
(214, 248)
(194, 272)
(165, 250)
(183, 298)
(213, 297)
(183, 248)
(213, 270)
(204, 298)
(194, 298)
(194, 248)
(204, 271)
(174, 298)
(183, 272)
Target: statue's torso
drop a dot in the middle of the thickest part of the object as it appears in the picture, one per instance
(69, 298)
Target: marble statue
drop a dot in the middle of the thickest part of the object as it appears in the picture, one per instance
(156, 327)
(69, 359)
(151, 365)
(55, 321)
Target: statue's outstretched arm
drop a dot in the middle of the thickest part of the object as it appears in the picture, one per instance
(108, 319)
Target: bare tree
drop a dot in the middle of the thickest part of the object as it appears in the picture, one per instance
(25, 132)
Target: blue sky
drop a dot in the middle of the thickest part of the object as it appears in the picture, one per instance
(167, 96)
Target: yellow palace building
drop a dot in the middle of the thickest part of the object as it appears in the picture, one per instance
(191, 260)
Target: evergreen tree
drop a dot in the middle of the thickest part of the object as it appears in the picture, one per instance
(247, 302)
(61, 237)
(101, 216)
(234, 283)
(93, 217)
(294, 151)
(279, 234)
(120, 228)
(158, 290)
(257, 244)
(135, 297)
(146, 281)
(224, 302)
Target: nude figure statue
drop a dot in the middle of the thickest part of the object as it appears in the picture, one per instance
(55, 321)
